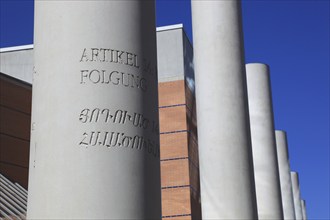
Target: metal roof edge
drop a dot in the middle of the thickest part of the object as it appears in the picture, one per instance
(16, 48)
(169, 27)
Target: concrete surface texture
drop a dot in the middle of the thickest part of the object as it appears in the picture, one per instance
(266, 173)
(296, 195)
(95, 136)
(285, 177)
(303, 209)
(226, 169)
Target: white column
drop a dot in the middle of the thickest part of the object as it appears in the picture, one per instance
(303, 209)
(95, 141)
(268, 189)
(226, 169)
(296, 195)
(285, 177)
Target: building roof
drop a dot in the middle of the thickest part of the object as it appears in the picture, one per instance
(13, 199)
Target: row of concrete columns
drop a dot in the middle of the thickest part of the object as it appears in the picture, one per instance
(236, 125)
(88, 161)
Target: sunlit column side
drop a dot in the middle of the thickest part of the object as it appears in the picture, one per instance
(303, 209)
(267, 180)
(285, 177)
(226, 168)
(95, 137)
(296, 195)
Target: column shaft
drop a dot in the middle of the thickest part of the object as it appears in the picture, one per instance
(95, 138)
(285, 177)
(267, 180)
(296, 195)
(265, 162)
(226, 169)
(303, 208)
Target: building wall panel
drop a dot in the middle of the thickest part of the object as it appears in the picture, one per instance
(14, 151)
(15, 95)
(171, 93)
(15, 117)
(190, 98)
(15, 123)
(176, 201)
(193, 150)
(175, 172)
(173, 145)
(172, 119)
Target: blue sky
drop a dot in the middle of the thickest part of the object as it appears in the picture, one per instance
(292, 37)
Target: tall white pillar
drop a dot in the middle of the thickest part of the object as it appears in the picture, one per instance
(285, 177)
(296, 195)
(95, 141)
(226, 169)
(303, 209)
(268, 189)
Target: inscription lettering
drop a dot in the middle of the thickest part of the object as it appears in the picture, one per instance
(83, 141)
(112, 139)
(112, 73)
(113, 77)
(118, 117)
(109, 55)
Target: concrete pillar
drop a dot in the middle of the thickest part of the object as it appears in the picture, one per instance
(303, 209)
(285, 177)
(95, 138)
(265, 162)
(296, 195)
(226, 169)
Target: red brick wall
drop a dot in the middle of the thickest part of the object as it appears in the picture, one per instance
(179, 154)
